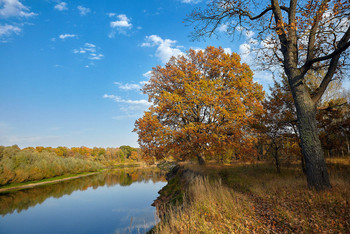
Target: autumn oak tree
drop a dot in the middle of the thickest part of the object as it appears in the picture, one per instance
(300, 35)
(204, 103)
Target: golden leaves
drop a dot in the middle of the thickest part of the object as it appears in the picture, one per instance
(203, 103)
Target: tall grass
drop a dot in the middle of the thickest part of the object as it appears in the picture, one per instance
(18, 166)
(255, 198)
(209, 208)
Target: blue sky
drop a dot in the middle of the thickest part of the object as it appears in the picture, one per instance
(71, 71)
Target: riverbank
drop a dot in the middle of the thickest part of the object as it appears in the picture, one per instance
(246, 198)
(32, 184)
(57, 179)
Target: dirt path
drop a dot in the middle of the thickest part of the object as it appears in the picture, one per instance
(26, 186)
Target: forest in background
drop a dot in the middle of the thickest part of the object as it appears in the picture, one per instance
(29, 164)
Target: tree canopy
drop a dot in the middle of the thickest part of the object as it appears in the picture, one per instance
(301, 36)
(204, 103)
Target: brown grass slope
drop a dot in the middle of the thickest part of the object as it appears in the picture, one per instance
(254, 198)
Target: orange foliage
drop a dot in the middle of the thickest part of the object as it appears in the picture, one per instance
(203, 104)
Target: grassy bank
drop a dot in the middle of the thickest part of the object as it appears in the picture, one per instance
(34, 183)
(17, 166)
(254, 198)
(20, 167)
(30, 184)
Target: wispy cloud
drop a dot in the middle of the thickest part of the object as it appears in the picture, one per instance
(14, 8)
(223, 27)
(191, 1)
(62, 6)
(128, 86)
(165, 47)
(130, 116)
(118, 99)
(129, 108)
(83, 10)
(90, 51)
(247, 51)
(7, 30)
(122, 24)
(64, 36)
(147, 74)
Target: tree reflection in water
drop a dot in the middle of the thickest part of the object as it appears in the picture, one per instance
(24, 199)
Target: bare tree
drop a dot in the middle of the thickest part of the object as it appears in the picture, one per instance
(302, 36)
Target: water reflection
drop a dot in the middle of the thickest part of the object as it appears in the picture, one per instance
(25, 199)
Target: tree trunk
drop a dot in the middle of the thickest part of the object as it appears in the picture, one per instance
(302, 160)
(201, 160)
(277, 161)
(303, 164)
(316, 170)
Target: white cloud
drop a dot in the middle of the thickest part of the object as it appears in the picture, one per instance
(249, 34)
(111, 14)
(228, 50)
(165, 47)
(223, 27)
(244, 51)
(128, 116)
(94, 56)
(248, 54)
(14, 8)
(147, 74)
(64, 36)
(146, 44)
(118, 99)
(83, 10)
(90, 51)
(121, 25)
(79, 51)
(90, 45)
(7, 30)
(128, 86)
(191, 1)
(123, 21)
(62, 6)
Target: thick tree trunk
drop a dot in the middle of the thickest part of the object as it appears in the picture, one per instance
(316, 170)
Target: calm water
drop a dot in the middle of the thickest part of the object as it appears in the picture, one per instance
(117, 201)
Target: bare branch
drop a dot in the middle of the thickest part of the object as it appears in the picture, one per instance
(263, 12)
(343, 45)
(312, 35)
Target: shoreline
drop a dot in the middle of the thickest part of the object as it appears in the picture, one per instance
(52, 180)
(35, 184)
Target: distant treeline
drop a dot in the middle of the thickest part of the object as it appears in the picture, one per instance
(104, 155)
(21, 165)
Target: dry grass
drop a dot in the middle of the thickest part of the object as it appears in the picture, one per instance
(210, 208)
(254, 198)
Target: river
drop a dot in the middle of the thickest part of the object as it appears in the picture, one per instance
(116, 201)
